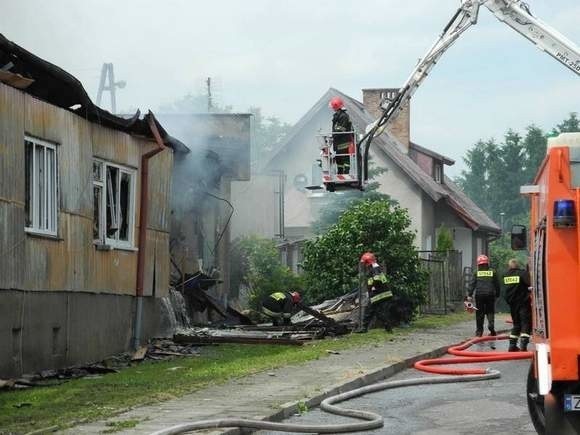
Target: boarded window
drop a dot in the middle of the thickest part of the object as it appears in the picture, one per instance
(40, 170)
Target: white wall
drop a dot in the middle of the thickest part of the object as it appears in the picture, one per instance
(463, 241)
(401, 188)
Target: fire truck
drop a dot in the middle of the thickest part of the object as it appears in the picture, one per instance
(553, 387)
(515, 13)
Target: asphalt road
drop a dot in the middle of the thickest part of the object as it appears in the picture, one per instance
(487, 407)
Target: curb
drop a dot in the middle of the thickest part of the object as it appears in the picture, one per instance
(291, 408)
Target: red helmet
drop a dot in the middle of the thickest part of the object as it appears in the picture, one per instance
(336, 103)
(482, 259)
(368, 258)
(296, 297)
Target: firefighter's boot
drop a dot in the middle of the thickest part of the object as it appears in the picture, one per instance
(513, 344)
(492, 333)
(524, 341)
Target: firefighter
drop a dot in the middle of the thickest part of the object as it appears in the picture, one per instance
(517, 295)
(379, 295)
(341, 134)
(280, 306)
(485, 287)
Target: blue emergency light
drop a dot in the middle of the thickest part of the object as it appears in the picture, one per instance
(564, 213)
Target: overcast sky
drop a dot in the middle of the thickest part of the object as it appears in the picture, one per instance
(283, 55)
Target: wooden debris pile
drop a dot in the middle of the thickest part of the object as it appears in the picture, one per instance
(256, 334)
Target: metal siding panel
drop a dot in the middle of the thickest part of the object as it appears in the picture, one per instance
(12, 244)
(160, 169)
(116, 146)
(11, 143)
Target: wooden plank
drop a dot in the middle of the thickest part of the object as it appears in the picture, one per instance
(140, 353)
(192, 339)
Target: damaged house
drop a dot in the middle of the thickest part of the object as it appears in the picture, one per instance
(201, 206)
(84, 215)
(414, 176)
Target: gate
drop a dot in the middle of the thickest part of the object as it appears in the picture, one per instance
(445, 280)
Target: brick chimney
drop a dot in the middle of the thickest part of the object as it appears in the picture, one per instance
(400, 126)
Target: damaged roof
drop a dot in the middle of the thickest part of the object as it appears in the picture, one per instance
(37, 77)
(389, 147)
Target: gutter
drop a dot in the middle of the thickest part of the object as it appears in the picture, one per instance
(143, 221)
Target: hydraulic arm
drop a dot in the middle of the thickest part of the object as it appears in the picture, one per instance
(515, 13)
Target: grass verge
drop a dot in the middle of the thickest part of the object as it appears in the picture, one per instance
(84, 400)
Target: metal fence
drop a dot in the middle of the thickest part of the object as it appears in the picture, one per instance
(445, 285)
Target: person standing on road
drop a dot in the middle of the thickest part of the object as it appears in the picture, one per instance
(280, 306)
(379, 295)
(485, 287)
(517, 295)
(342, 135)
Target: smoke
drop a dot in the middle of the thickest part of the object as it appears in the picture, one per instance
(201, 211)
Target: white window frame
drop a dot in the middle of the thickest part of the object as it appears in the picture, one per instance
(103, 239)
(51, 201)
(438, 172)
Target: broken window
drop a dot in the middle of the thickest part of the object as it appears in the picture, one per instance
(114, 202)
(40, 171)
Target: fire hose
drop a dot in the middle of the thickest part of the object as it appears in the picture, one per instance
(372, 420)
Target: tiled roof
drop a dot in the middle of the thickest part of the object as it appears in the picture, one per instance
(388, 146)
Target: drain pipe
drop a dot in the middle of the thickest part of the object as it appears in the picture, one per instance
(143, 220)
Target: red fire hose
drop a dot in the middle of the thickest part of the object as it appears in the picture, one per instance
(468, 357)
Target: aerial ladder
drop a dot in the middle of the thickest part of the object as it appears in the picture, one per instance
(553, 387)
(514, 13)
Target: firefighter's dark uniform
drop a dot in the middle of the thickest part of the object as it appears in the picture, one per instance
(279, 307)
(485, 285)
(379, 298)
(517, 295)
(341, 123)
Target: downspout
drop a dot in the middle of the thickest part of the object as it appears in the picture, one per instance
(143, 220)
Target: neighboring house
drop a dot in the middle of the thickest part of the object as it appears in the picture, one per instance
(201, 204)
(70, 207)
(414, 176)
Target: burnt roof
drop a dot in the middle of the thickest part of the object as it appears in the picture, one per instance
(37, 77)
(389, 147)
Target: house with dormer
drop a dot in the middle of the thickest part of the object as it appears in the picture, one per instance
(413, 175)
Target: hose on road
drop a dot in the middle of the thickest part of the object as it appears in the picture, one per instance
(372, 420)
(469, 357)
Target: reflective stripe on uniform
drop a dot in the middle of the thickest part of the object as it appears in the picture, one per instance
(381, 296)
(524, 335)
(278, 296)
(513, 337)
(272, 314)
(484, 273)
(511, 280)
(380, 277)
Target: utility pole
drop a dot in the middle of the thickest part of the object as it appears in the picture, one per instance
(108, 83)
(209, 97)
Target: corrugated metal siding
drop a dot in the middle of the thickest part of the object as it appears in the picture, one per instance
(71, 262)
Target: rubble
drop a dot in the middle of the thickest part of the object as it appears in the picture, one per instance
(158, 350)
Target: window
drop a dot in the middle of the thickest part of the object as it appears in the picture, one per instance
(438, 172)
(40, 170)
(114, 204)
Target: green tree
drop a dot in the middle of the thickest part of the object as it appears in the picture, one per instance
(535, 144)
(444, 239)
(337, 203)
(257, 264)
(569, 125)
(269, 133)
(331, 260)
